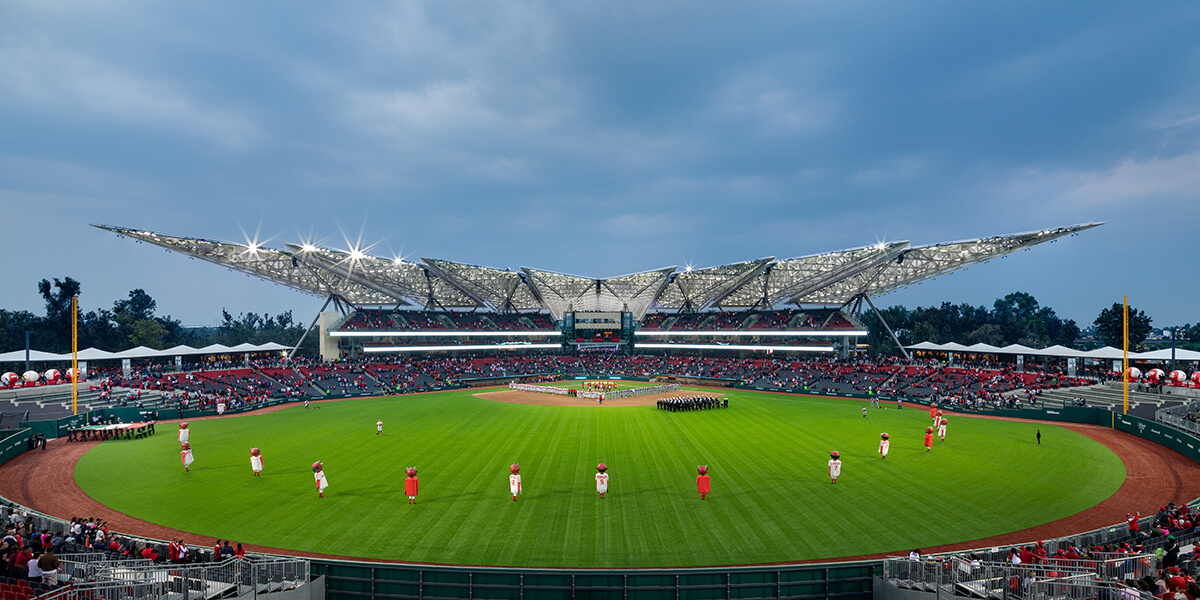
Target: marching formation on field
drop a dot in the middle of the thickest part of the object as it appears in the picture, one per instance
(690, 403)
(675, 404)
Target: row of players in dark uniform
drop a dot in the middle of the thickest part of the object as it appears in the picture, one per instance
(690, 403)
(86, 435)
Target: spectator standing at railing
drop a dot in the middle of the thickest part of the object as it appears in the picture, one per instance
(1133, 523)
(34, 570)
(49, 565)
(1171, 552)
(18, 563)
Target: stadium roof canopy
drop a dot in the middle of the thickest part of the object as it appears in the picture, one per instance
(831, 278)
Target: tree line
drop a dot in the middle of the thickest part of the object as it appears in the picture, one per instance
(132, 322)
(1017, 318)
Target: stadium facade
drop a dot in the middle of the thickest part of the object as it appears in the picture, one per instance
(805, 304)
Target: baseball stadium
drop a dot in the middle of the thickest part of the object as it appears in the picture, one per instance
(679, 433)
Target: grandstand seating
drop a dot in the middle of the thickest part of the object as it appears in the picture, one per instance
(755, 320)
(151, 389)
(392, 320)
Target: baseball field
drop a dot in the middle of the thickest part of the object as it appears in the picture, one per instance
(771, 498)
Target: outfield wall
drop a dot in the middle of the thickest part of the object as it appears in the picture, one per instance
(354, 580)
(347, 580)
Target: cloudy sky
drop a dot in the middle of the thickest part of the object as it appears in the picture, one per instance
(601, 138)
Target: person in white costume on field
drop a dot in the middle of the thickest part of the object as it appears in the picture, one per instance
(186, 456)
(602, 479)
(835, 466)
(319, 475)
(256, 461)
(884, 444)
(379, 427)
(942, 429)
(514, 481)
(184, 435)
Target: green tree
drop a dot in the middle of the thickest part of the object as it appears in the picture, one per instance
(54, 333)
(13, 325)
(1110, 325)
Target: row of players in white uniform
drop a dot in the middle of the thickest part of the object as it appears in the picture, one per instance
(514, 480)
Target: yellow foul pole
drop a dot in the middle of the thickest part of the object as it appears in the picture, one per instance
(1125, 354)
(75, 355)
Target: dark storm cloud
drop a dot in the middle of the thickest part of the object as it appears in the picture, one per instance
(600, 139)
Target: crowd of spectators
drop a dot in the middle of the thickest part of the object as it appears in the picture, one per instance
(969, 385)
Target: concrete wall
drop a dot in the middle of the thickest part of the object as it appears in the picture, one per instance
(329, 345)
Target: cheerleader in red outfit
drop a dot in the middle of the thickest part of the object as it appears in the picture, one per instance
(702, 481)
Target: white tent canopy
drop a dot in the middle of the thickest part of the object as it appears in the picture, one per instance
(140, 352)
(1057, 350)
(34, 356)
(95, 354)
(1107, 353)
(1165, 354)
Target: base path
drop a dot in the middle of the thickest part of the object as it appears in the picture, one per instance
(44, 480)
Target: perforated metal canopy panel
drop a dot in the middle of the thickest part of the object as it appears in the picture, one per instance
(826, 278)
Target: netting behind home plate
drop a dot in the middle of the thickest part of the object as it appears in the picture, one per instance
(12, 419)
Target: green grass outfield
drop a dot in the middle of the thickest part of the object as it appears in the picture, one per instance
(771, 498)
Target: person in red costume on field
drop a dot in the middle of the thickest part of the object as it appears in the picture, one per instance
(702, 482)
(410, 484)
(928, 439)
(933, 410)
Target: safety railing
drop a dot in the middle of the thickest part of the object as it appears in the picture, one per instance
(1077, 587)
(956, 575)
(143, 580)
